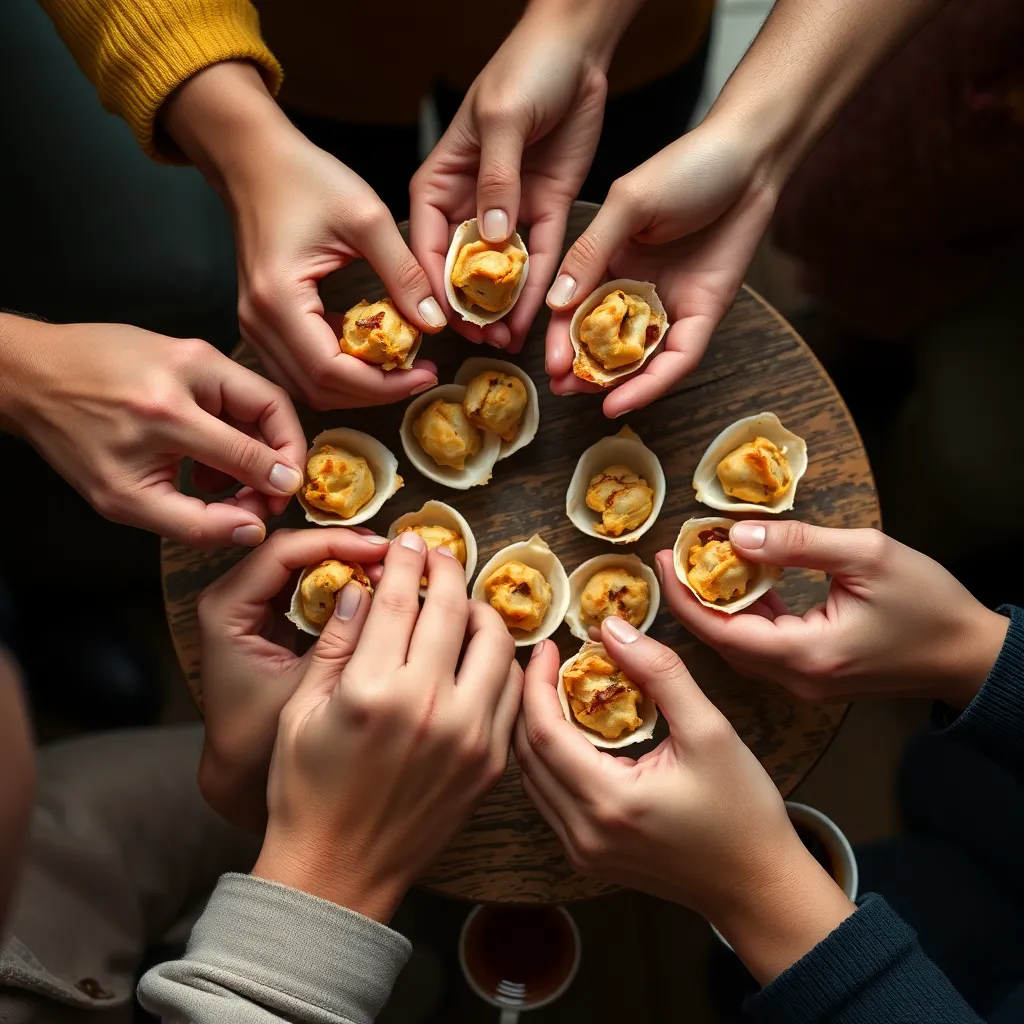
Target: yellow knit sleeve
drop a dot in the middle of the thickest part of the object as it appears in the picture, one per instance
(137, 52)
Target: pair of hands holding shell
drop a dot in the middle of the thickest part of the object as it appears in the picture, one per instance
(424, 702)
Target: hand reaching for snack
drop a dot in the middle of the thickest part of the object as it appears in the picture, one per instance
(895, 622)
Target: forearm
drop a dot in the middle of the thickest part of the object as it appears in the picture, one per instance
(808, 59)
(16, 334)
(597, 24)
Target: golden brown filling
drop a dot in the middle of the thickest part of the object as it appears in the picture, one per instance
(602, 697)
(319, 589)
(757, 471)
(623, 499)
(496, 401)
(487, 274)
(614, 592)
(437, 537)
(377, 333)
(520, 594)
(339, 481)
(445, 434)
(716, 572)
(616, 332)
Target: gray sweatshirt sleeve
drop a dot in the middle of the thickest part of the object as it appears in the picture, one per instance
(262, 952)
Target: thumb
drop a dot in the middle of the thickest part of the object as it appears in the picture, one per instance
(658, 671)
(841, 553)
(586, 262)
(497, 184)
(336, 645)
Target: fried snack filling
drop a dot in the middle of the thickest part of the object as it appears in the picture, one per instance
(445, 434)
(338, 481)
(520, 594)
(623, 499)
(614, 592)
(496, 401)
(602, 697)
(377, 333)
(716, 572)
(757, 471)
(487, 274)
(319, 589)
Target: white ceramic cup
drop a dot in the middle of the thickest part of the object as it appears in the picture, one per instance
(838, 846)
(510, 998)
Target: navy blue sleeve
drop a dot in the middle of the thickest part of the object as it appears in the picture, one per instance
(994, 721)
(870, 970)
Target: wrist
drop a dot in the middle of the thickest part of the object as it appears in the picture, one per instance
(596, 27)
(788, 907)
(322, 870)
(975, 650)
(17, 336)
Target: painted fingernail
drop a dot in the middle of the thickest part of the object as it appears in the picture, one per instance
(562, 290)
(748, 535)
(537, 649)
(431, 313)
(424, 387)
(621, 630)
(248, 536)
(348, 601)
(495, 226)
(286, 479)
(442, 550)
(412, 541)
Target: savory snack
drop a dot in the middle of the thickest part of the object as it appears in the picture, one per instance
(615, 330)
(338, 481)
(612, 584)
(487, 274)
(757, 471)
(439, 536)
(754, 465)
(445, 433)
(501, 407)
(495, 401)
(623, 499)
(602, 697)
(377, 333)
(621, 480)
(520, 594)
(316, 594)
(440, 524)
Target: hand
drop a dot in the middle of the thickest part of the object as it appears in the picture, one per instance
(895, 622)
(299, 214)
(696, 821)
(114, 409)
(251, 665)
(519, 148)
(689, 220)
(390, 742)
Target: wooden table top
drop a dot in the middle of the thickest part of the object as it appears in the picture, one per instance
(755, 362)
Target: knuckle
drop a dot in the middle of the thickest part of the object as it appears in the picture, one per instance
(367, 219)
(586, 251)
(626, 191)
(191, 352)
(244, 454)
(874, 546)
(609, 815)
(589, 848)
(538, 736)
(494, 180)
(397, 603)
(797, 538)
(260, 298)
(410, 276)
(664, 661)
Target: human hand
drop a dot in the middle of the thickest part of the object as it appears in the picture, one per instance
(518, 149)
(114, 409)
(251, 661)
(299, 214)
(895, 622)
(696, 821)
(688, 220)
(386, 698)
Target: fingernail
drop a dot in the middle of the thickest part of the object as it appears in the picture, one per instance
(748, 535)
(286, 479)
(431, 313)
(412, 541)
(423, 387)
(537, 649)
(348, 601)
(248, 536)
(621, 630)
(625, 412)
(562, 290)
(495, 226)
(657, 571)
(442, 550)
(377, 540)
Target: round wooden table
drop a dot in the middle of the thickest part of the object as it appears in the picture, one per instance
(755, 362)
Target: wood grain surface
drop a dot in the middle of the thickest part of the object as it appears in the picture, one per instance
(755, 362)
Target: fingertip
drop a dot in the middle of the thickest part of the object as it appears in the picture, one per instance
(495, 225)
(248, 535)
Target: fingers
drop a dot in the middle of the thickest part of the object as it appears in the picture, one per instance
(557, 805)
(842, 553)
(236, 603)
(545, 243)
(497, 188)
(489, 655)
(396, 606)
(509, 703)
(337, 643)
(658, 671)
(441, 628)
(558, 351)
(162, 508)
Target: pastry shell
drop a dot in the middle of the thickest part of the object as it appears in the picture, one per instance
(466, 233)
(765, 576)
(765, 424)
(536, 554)
(584, 365)
(646, 709)
(383, 465)
(531, 414)
(478, 467)
(437, 513)
(296, 615)
(580, 577)
(623, 448)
